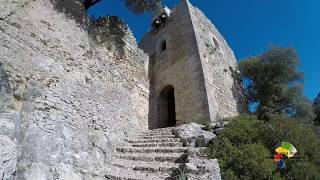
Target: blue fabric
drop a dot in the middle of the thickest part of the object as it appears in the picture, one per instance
(281, 164)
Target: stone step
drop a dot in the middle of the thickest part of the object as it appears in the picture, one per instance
(151, 157)
(118, 173)
(153, 140)
(157, 136)
(152, 150)
(153, 167)
(155, 133)
(162, 144)
(160, 130)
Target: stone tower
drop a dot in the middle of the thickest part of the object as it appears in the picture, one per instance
(192, 70)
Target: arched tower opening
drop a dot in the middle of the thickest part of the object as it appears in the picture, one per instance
(166, 108)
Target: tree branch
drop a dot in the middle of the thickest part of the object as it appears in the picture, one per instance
(89, 3)
(282, 108)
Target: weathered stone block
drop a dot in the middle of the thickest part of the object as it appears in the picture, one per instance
(193, 135)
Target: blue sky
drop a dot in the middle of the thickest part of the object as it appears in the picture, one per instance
(250, 27)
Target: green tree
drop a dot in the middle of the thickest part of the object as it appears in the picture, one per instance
(304, 111)
(142, 6)
(275, 85)
(316, 107)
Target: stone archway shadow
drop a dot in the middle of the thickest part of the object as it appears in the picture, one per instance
(166, 115)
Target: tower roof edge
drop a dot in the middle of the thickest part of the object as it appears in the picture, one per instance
(185, 1)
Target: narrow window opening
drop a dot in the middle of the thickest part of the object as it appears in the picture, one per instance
(163, 46)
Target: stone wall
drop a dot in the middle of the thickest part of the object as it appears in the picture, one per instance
(219, 65)
(178, 66)
(70, 90)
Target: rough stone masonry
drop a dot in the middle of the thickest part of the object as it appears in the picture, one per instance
(71, 90)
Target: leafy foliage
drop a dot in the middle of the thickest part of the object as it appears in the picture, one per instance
(245, 148)
(142, 6)
(316, 107)
(89, 3)
(275, 84)
(317, 99)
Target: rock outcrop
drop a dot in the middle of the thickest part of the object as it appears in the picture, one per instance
(197, 137)
(8, 146)
(76, 89)
(193, 135)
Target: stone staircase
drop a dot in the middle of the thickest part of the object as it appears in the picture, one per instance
(155, 154)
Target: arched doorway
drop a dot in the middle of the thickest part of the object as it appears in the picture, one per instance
(166, 108)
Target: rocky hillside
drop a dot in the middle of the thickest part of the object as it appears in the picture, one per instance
(70, 90)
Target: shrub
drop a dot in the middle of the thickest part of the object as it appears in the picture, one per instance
(246, 146)
(181, 174)
(303, 170)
